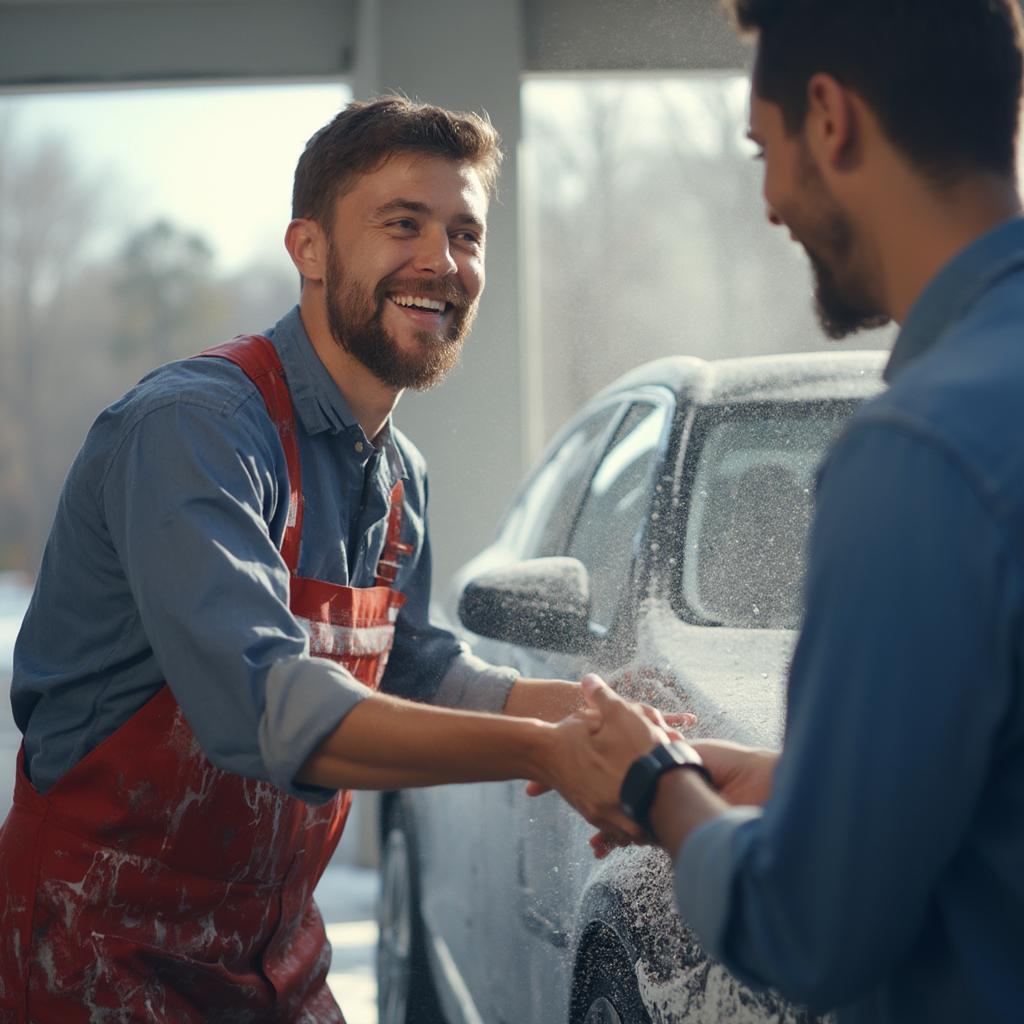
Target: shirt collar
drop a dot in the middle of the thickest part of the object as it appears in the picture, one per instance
(955, 288)
(319, 405)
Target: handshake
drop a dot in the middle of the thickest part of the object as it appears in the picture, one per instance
(628, 770)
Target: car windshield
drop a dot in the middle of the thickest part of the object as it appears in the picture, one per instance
(749, 511)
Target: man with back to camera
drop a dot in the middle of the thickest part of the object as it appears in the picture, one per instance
(883, 874)
(239, 545)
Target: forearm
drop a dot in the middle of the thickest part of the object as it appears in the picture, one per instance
(389, 743)
(550, 700)
(682, 804)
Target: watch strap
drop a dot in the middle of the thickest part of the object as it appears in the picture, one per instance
(640, 785)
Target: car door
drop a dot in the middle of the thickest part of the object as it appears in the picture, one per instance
(606, 534)
(473, 856)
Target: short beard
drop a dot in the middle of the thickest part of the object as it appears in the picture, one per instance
(838, 316)
(357, 325)
(842, 308)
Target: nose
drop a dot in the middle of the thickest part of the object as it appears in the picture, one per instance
(773, 217)
(434, 255)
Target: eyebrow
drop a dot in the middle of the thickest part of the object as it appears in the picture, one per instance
(413, 206)
(400, 205)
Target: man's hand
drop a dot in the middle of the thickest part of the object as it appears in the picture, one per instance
(621, 731)
(576, 701)
(742, 775)
(598, 745)
(552, 700)
(580, 772)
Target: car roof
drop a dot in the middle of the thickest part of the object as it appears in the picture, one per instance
(804, 376)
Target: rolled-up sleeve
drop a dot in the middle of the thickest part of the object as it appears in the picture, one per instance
(888, 738)
(187, 498)
(475, 685)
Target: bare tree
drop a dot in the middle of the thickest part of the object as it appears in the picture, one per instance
(47, 210)
(164, 292)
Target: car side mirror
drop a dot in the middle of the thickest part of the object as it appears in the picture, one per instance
(543, 602)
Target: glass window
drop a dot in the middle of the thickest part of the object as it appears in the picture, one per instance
(750, 509)
(540, 521)
(136, 227)
(616, 507)
(646, 234)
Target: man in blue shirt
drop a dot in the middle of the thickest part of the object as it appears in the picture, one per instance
(878, 865)
(239, 559)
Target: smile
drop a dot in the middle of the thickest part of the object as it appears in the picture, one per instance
(420, 302)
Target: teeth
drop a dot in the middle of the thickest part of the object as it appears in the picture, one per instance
(420, 302)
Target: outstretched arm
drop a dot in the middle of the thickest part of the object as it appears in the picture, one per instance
(389, 743)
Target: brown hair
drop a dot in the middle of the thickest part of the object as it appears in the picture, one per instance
(365, 134)
(942, 76)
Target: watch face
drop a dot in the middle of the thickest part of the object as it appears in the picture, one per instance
(671, 754)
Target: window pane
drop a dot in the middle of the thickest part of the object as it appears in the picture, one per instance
(647, 234)
(136, 227)
(616, 507)
(540, 521)
(750, 509)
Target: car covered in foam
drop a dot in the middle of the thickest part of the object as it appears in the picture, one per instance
(659, 541)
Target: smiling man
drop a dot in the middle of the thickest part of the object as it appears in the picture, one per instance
(877, 866)
(239, 561)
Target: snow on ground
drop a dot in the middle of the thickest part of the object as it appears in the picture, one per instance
(346, 897)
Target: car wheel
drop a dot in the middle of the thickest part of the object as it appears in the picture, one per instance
(611, 995)
(405, 990)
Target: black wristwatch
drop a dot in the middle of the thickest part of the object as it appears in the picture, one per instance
(641, 781)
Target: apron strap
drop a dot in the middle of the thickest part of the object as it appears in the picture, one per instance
(394, 549)
(257, 358)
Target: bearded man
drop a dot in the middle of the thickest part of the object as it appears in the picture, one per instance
(876, 867)
(230, 626)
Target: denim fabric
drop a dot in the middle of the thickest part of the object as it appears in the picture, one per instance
(885, 876)
(163, 564)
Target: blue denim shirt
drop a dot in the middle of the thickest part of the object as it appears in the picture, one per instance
(885, 876)
(163, 564)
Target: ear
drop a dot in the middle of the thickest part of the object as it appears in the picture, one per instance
(832, 127)
(307, 245)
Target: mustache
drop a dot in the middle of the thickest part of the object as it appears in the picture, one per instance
(443, 290)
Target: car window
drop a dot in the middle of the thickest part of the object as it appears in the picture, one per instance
(539, 522)
(616, 507)
(749, 513)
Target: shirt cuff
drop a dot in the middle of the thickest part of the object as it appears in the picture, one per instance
(473, 684)
(704, 871)
(306, 698)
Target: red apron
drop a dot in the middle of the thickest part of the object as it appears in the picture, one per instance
(149, 885)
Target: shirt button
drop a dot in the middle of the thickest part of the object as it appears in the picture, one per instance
(359, 446)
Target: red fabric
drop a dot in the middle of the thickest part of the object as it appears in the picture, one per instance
(394, 549)
(148, 884)
(257, 356)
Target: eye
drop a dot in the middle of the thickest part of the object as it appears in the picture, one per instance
(468, 237)
(403, 224)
